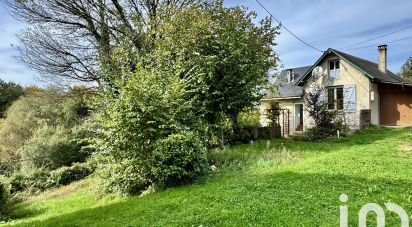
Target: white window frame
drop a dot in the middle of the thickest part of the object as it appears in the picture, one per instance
(294, 116)
(335, 72)
(335, 97)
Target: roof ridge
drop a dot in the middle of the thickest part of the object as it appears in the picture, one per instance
(362, 59)
(368, 68)
(354, 56)
(300, 67)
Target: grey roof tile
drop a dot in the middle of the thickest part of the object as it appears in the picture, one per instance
(288, 90)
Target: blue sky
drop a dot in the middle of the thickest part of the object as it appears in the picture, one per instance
(323, 23)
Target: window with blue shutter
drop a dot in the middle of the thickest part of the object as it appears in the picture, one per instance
(349, 98)
(335, 98)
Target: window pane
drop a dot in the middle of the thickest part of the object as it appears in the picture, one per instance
(339, 98)
(337, 66)
(332, 65)
(331, 98)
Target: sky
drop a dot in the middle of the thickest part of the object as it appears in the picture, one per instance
(322, 23)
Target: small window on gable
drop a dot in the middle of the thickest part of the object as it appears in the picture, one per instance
(334, 69)
(331, 65)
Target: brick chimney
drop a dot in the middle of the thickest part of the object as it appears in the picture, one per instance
(382, 56)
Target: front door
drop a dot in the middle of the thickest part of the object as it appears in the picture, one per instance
(298, 118)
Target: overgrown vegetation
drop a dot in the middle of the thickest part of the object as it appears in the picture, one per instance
(326, 122)
(171, 83)
(4, 200)
(38, 132)
(249, 118)
(42, 141)
(268, 183)
(9, 92)
(206, 64)
(38, 180)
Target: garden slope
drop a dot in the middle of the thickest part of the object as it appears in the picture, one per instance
(271, 183)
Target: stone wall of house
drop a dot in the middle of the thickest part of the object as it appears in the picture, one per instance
(348, 75)
(286, 104)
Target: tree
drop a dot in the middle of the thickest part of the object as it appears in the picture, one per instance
(207, 63)
(40, 126)
(70, 40)
(406, 70)
(228, 52)
(9, 92)
(151, 105)
(327, 121)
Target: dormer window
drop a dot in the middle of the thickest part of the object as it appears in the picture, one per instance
(291, 76)
(334, 69)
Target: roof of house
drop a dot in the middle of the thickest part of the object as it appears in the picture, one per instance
(368, 68)
(289, 90)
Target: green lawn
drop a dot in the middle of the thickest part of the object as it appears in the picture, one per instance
(271, 183)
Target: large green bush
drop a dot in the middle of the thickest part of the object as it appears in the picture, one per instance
(125, 176)
(68, 174)
(178, 159)
(9, 92)
(150, 106)
(249, 118)
(38, 131)
(4, 200)
(41, 179)
(51, 148)
(205, 64)
(32, 183)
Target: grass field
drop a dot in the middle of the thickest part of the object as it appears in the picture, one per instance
(271, 183)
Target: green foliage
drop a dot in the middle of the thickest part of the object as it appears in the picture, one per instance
(218, 134)
(51, 148)
(32, 183)
(323, 133)
(37, 130)
(123, 176)
(227, 52)
(252, 184)
(41, 179)
(327, 122)
(406, 70)
(9, 92)
(150, 106)
(66, 175)
(4, 200)
(205, 64)
(178, 159)
(249, 118)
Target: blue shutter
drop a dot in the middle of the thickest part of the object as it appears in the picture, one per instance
(349, 98)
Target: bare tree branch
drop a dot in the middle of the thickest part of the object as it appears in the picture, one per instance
(69, 39)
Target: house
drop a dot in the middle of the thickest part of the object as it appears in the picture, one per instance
(362, 91)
